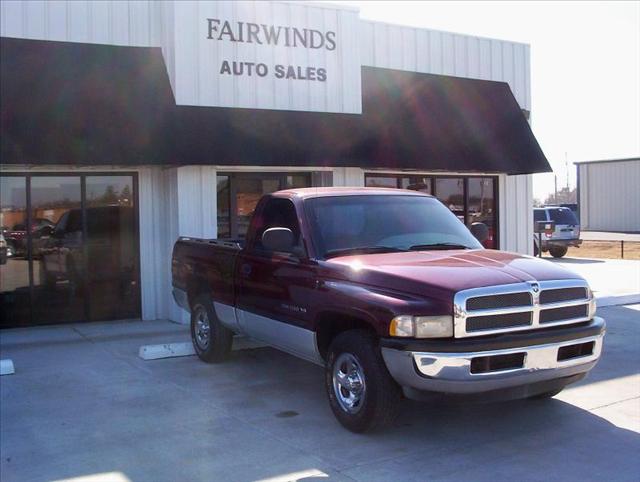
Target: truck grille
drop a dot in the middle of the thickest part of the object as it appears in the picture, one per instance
(521, 306)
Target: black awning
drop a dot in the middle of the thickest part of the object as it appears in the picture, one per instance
(82, 104)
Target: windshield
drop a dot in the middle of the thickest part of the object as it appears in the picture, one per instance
(563, 216)
(372, 223)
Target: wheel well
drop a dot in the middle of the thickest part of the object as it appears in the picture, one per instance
(195, 288)
(330, 324)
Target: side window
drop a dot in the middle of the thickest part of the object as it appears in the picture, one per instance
(279, 213)
(539, 215)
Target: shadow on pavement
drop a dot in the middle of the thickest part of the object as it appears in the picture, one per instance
(575, 260)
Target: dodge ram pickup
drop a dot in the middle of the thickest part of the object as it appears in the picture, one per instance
(391, 294)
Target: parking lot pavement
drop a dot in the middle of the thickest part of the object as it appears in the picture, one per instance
(608, 278)
(81, 403)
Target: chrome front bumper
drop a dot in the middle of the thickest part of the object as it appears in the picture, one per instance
(452, 372)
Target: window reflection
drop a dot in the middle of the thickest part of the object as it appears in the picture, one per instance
(14, 265)
(58, 256)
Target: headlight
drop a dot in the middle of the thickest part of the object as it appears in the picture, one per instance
(422, 326)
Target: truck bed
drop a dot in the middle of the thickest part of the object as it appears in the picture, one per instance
(206, 262)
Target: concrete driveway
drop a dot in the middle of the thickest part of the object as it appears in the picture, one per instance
(83, 404)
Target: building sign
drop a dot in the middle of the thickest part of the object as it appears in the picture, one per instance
(265, 55)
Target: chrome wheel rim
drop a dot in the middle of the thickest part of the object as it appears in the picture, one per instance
(349, 383)
(202, 329)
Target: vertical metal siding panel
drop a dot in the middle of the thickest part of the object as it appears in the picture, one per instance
(422, 50)
(519, 87)
(496, 60)
(352, 82)
(265, 90)
(120, 23)
(12, 18)
(409, 57)
(300, 97)
(436, 53)
(507, 64)
(149, 279)
(35, 19)
(484, 59)
(460, 66)
(100, 22)
(381, 51)
(448, 54)
(397, 50)
(78, 21)
(366, 42)
(207, 58)
(57, 20)
(332, 100)
(527, 77)
(473, 57)
(280, 11)
(139, 27)
(186, 63)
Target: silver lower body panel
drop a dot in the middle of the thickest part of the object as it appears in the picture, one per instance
(452, 372)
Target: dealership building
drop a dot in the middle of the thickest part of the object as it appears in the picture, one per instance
(125, 124)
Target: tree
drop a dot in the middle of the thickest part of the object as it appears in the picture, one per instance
(565, 196)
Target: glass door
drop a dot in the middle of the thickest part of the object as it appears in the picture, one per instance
(72, 248)
(57, 249)
(15, 303)
(111, 247)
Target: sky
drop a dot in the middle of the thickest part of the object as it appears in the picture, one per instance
(585, 69)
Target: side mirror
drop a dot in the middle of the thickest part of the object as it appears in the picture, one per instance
(46, 231)
(278, 239)
(480, 231)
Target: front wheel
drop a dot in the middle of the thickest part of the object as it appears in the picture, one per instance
(558, 251)
(211, 340)
(361, 392)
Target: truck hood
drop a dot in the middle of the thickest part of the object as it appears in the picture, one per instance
(449, 271)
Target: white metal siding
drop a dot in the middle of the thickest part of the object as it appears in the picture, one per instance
(113, 22)
(434, 52)
(610, 196)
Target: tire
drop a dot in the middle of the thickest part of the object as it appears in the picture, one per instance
(373, 402)
(546, 395)
(211, 340)
(558, 251)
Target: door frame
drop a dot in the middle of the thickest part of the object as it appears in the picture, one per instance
(83, 206)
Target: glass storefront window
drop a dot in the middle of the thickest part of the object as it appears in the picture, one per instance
(472, 199)
(15, 303)
(74, 249)
(239, 193)
(223, 208)
(414, 183)
(451, 192)
(481, 206)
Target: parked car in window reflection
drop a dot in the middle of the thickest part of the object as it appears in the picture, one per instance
(110, 231)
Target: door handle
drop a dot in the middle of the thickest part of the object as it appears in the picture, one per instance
(245, 270)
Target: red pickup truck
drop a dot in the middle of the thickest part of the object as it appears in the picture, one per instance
(393, 296)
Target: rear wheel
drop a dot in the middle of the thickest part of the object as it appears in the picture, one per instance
(211, 340)
(558, 251)
(361, 392)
